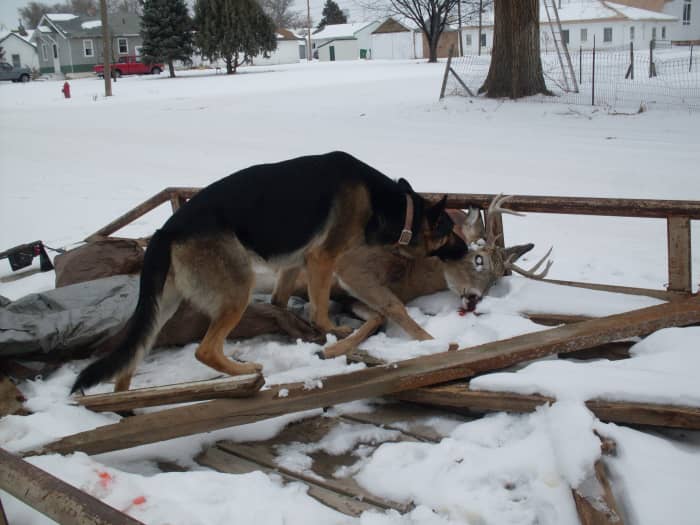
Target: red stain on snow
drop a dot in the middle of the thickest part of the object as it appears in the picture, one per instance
(139, 501)
(106, 478)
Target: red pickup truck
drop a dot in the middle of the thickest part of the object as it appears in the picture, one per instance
(129, 65)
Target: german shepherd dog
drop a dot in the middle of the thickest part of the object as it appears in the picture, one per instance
(299, 213)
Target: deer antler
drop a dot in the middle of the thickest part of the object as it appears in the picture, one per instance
(496, 210)
(531, 272)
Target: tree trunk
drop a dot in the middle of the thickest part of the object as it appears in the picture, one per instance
(432, 47)
(230, 70)
(171, 68)
(516, 66)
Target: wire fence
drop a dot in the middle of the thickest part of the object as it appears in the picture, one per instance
(620, 78)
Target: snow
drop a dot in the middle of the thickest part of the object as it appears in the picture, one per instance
(59, 182)
(60, 17)
(339, 31)
(91, 24)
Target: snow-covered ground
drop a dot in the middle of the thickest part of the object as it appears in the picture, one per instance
(68, 167)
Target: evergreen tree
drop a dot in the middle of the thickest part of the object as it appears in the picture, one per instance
(166, 28)
(233, 30)
(332, 14)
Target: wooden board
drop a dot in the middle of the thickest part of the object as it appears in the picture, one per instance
(459, 396)
(240, 386)
(680, 278)
(595, 502)
(55, 498)
(323, 469)
(376, 381)
(223, 461)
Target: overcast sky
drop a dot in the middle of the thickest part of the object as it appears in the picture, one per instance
(9, 16)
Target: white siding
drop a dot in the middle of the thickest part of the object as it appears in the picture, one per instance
(287, 52)
(344, 50)
(398, 45)
(16, 46)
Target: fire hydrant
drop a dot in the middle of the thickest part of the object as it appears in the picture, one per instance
(66, 89)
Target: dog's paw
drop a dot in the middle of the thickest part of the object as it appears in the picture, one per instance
(250, 368)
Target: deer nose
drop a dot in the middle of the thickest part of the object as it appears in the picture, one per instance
(469, 301)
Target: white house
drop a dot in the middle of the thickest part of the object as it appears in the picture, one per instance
(397, 39)
(287, 51)
(344, 41)
(19, 50)
(611, 24)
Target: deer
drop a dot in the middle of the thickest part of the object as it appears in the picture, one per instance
(378, 281)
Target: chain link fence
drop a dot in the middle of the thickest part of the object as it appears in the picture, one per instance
(619, 79)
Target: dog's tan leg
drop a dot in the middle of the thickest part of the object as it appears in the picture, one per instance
(352, 341)
(285, 285)
(123, 381)
(319, 267)
(211, 349)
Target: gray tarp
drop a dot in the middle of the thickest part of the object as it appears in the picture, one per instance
(68, 317)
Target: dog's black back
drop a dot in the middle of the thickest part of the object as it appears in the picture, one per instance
(275, 209)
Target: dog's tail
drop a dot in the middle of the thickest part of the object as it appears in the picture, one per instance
(144, 324)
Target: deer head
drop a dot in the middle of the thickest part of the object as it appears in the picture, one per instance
(472, 276)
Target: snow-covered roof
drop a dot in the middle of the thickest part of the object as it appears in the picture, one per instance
(60, 17)
(635, 13)
(91, 24)
(592, 10)
(340, 30)
(8, 34)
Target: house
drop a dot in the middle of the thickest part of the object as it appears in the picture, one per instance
(344, 41)
(688, 27)
(73, 44)
(20, 51)
(287, 51)
(402, 39)
(609, 24)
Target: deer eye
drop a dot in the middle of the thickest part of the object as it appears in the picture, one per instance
(479, 260)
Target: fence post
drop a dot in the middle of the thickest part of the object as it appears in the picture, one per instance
(593, 76)
(652, 67)
(580, 64)
(630, 70)
(690, 66)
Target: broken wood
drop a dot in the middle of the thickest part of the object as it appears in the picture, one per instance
(376, 381)
(595, 502)
(55, 498)
(239, 386)
(459, 396)
(218, 459)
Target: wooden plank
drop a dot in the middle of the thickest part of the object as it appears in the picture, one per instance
(240, 386)
(3, 516)
(643, 208)
(323, 469)
(680, 277)
(223, 461)
(55, 498)
(595, 502)
(664, 295)
(458, 395)
(375, 381)
(143, 208)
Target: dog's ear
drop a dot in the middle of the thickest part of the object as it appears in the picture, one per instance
(436, 211)
(405, 186)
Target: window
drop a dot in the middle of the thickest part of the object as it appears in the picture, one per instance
(653, 33)
(44, 52)
(632, 33)
(55, 50)
(584, 35)
(87, 48)
(123, 45)
(663, 33)
(483, 39)
(468, 41)
(16, 61)
(565, 36)
(607, 34)
(686, 12)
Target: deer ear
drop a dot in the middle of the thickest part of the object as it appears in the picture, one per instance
(513, 253)
(405, 186)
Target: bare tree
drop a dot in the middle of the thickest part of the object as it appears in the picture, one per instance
(516, 66)
(431, 17)
(125, 6)
(282, 14)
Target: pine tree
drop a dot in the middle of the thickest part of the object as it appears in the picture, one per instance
(166, 28)
(233, 30)
(332, 14)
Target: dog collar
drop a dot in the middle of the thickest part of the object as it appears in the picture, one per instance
(407, 232)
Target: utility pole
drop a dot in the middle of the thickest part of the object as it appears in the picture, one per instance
(106, 48)
(308, 31)
(481, 10)
(459, 23)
